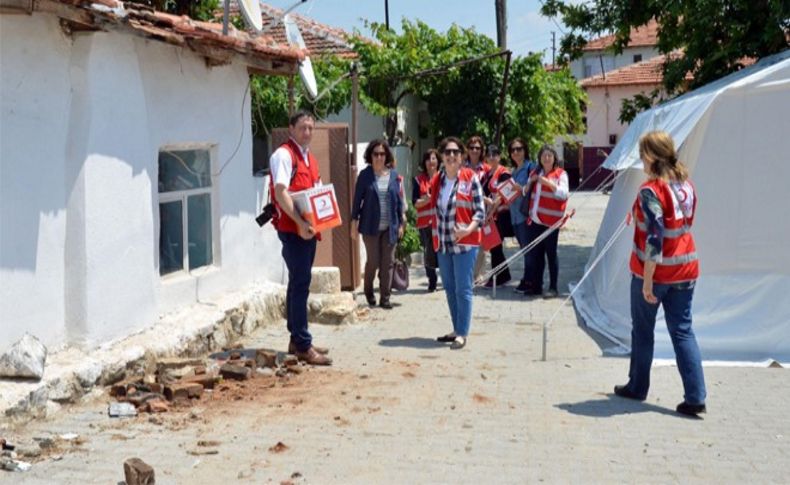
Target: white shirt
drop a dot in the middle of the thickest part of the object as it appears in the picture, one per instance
(561, 192)
(281, 165)
(444, 193)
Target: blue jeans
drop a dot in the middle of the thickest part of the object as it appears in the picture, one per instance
(456, 270)
(676, 300)
(299, 255)
(523, 239)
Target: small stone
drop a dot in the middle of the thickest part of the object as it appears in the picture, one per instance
(265, 358)
(122, 410)
(138, 472)
(230, 371)
(26, 358)
(264, 372)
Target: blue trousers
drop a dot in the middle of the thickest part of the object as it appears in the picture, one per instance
(523, 239)
(457, 274)
(676, 300)
(299, 255)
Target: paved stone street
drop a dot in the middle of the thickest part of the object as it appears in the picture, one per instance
(397, 407)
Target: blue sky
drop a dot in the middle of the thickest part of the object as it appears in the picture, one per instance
(528, 30)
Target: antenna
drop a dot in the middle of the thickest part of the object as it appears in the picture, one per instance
(250, 10)
(305, 67)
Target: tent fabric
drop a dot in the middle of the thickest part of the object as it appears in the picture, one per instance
(734, 135)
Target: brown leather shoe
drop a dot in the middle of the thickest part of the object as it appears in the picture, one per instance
(313, 358)
(320, 350)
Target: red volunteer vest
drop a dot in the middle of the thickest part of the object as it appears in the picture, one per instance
(464, 207)
(425, 213)
(305, 178)
(493, 184)
(679, 252)
(550, 207)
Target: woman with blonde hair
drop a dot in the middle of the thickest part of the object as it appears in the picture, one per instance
(665, 270)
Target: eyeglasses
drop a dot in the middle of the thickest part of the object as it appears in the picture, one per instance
(516, 149)
(475, 148)
(452, 151)
(379, 154)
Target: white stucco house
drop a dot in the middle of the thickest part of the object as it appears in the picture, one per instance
(126, 184)
(598, 57)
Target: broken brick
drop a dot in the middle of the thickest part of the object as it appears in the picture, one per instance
(156, 406)
(208, 381)
(230, 371)
(265, 358)
(183, 390)
(138, 472)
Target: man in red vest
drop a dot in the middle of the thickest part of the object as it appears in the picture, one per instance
(294, 168)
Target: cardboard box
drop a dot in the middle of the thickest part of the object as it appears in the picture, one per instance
(508, 191)
(318, 206)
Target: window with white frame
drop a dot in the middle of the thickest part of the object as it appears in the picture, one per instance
(185, 221)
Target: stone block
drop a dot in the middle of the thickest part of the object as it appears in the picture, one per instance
(325, 280)
(26, 358)
(332, 309)
(138, 472)
(266, 358)
(230, 371)
(188, 390)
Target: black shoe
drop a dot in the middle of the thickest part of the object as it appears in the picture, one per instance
(691, 409)
(522, 287)
(623, 391)
(371, 300)
(386, 304)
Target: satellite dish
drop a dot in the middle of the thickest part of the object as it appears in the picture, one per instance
(305, 67)
(251, 10)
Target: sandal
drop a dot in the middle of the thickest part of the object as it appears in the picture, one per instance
(446, 338)
(458, 343)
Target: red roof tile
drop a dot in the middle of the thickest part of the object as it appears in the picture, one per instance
(646, 35)
(263, 53)
(319, 38)
(645, 72)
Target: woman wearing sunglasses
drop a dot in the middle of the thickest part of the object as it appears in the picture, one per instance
(377, 214)
(474, 160)
(421, 198)
(496, 211)
(457, 202)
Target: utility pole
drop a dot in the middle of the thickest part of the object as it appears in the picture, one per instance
(387, 13)
(553, 48)
(501, 24)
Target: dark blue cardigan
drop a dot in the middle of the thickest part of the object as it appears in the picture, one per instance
(366, 204)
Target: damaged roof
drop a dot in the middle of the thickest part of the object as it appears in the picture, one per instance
(319, 38)
(263, 54)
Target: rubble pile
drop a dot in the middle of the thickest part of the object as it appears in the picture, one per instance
(177, 382)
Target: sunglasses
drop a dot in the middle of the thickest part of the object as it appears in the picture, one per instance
(516, 149)
(452, 151)
(379, 154)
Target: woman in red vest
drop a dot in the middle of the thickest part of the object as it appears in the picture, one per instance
(420, 198)
(475, 160)
(497, 212)
(665, 269)
(457, 199)
(548, 192)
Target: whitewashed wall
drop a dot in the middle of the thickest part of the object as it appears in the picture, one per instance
(610, 61)
(81, 130)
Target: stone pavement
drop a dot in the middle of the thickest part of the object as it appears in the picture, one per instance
(399, 408)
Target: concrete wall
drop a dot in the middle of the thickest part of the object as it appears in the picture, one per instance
(610, 61)
(82, 127)
(603, 111)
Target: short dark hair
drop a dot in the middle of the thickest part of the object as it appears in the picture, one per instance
(427, 155)
(518, 140)
(548, 148)
(294, 119)
(452, 139)
(390, 159)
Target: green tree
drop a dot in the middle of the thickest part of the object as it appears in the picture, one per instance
(270, 94)
(714, 36)
(464, 100)
(196, 9)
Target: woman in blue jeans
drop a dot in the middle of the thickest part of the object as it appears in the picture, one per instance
(665, 269)
(457, 204)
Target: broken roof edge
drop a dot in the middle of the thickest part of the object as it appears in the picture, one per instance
(261, 54)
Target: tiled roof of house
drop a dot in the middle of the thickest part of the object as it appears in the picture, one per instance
(645, 72)
(646, 35)
(263, 53)
(319, 38)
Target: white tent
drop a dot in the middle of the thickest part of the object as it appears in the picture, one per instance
(734, 134)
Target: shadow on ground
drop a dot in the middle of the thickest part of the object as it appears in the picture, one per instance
(413, 342)
(613, 406)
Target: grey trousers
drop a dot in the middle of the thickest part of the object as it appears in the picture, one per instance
(380, 255)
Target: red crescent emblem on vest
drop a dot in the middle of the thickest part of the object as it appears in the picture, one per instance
(682, 195)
